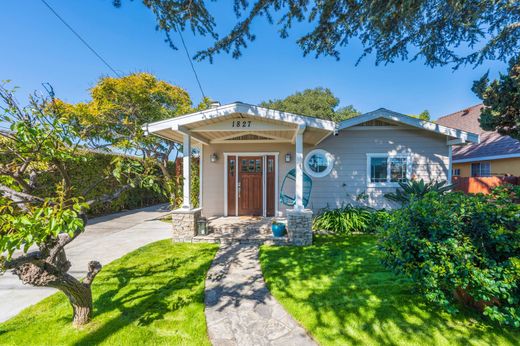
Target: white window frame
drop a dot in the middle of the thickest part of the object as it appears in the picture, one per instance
(455, 172)
(330, 161)
(388, 156)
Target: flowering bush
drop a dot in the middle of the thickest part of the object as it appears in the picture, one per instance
(460, 249)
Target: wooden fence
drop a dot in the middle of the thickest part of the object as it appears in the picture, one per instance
(482, 184)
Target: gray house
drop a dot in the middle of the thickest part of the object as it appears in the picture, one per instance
(263, 162)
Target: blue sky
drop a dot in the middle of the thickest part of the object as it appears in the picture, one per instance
(37, 47)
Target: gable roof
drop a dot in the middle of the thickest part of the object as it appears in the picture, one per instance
(383, 113)
(241, 107)
(492, 145)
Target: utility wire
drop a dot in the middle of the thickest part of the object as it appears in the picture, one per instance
(191, 61)
(81, 38)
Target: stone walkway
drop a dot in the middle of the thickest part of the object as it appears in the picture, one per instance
(239, 308)
(105, 239)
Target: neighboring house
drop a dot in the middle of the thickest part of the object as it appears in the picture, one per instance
(494, 155)
(252, 156)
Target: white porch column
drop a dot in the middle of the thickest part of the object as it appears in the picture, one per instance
(299, 168)
(186, 171)
(450, 164)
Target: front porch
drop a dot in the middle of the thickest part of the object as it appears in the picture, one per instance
(246, 153)
(242, 230)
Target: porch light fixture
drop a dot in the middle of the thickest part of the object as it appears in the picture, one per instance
(288, 157)
(202, 226)
(213, 157)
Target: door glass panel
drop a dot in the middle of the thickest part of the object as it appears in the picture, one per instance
(244, 166)
(258, 165)
(270, 165)
(232, 167)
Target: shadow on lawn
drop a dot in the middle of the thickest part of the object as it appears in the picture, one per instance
(142, 302)
(357, 301)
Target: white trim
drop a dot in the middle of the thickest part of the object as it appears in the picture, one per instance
(411, 121)
(264, 155)
(185, 131)
(201, 158)
(450, 164)
(186, 171)
(408, 158)
(330, 160)
(488, 158)
(375, 128)
(240, 107)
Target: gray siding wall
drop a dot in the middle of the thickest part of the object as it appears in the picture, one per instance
(348, 178)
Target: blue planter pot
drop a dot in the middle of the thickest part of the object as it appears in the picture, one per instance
(278, 229)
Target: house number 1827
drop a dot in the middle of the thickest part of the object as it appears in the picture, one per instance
(241, 123)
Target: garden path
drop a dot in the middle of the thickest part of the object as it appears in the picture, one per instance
(105, 239)
(239, 308)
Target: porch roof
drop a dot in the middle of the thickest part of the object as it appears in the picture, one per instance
(242, 123)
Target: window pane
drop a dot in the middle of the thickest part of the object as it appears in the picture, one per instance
(244, 166)
(258, 165)
(378, 169)
(475, 169)
(270, 165)
(318, 163)
(485, 169)
(397, 169)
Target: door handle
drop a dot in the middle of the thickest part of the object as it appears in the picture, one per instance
(239, 190)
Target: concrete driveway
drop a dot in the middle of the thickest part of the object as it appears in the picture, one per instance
(105, 239)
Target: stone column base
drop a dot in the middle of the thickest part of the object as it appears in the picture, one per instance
(299, 227)
(184, 223)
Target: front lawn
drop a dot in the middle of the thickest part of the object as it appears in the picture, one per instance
(154, 296)
(338, 290)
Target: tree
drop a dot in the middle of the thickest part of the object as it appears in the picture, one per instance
(40, 140)
(120, 107)
(391, 29)
(433, 31)
(424, 115)
(502, 100)
(317, 102)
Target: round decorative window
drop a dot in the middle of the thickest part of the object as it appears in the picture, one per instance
(318, 163)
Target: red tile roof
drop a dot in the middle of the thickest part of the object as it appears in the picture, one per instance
(491, 143)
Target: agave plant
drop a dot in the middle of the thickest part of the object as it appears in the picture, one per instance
(417, 189)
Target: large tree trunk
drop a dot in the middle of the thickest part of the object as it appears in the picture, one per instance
(43, 273)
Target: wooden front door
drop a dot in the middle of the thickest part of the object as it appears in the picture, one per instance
(250, 185)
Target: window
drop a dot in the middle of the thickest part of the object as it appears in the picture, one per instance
(318, 163)
(387, 170)
(481, 169)
(455, 172)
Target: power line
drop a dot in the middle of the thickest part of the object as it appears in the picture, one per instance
(81, 38)
(191, 62)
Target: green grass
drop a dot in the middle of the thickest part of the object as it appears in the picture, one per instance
(338, 290)
(152, 296)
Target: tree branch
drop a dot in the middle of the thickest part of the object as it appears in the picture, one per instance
(20, 198)
(94, 267)
(109, 197)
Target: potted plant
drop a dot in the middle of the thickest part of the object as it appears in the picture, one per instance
(278, 229)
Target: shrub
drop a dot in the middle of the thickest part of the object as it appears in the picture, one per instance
(344, 220)
(417, 189)
(460, 249)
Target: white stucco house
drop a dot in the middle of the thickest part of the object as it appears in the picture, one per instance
(259, 161)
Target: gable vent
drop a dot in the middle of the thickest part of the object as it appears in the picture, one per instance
(249, 137)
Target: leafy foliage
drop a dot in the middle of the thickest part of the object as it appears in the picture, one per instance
(502, 100)
(417, 189)
(43, 141)
(317, 102)
(429, 30)
(460, 248)
(116, 114)
(348, 219)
